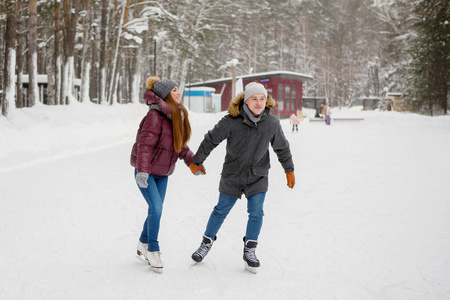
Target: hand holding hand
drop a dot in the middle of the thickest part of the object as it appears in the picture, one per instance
(197, 170)
(290, 179)
(141, 179)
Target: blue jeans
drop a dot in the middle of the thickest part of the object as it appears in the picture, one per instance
(154, 195)
(255, 211)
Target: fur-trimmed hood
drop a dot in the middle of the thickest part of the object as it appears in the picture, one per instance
(155, 102)
(233, 108)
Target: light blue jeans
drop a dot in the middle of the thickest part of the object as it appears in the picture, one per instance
(154, 195)
(255, 211)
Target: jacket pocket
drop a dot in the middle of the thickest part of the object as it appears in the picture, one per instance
(155, 155)
(260, 171)
(230, 168)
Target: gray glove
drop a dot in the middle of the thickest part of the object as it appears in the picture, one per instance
(141, 179)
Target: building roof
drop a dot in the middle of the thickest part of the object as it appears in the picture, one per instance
(43, 78)
(283, 74)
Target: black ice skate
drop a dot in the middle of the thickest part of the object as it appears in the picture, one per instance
(203, 250)
(251, 261)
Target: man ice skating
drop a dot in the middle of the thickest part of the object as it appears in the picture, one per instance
(249, 128)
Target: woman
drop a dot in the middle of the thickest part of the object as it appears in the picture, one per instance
(161, 139)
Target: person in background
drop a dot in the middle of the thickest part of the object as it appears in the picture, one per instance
(328, 114)
(160, 141)
(294, 121)
(248, 128)
(323, 109)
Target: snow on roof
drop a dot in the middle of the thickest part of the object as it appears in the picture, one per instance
(43, 78)
(202, 88)
(394, 94)
(264, 74)
(40, 78)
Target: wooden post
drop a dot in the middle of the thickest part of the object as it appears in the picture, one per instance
(233, 82)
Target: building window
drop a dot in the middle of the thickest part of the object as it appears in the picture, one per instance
(287, 97)
(280, 96)
(294, 99)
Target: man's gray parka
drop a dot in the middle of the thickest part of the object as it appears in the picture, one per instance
(247, 162)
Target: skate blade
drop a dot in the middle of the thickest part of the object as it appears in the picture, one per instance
(142, 258)
(157, 270)
(154, 269)
(193, 262)
(250, 269)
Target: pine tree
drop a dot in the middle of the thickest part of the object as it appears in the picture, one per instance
(431, 55)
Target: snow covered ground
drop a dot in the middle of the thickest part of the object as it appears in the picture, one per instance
(369, 217)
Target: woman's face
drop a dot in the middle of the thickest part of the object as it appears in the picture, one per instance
(176, 95)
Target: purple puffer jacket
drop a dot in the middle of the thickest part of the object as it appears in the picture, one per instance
(153, 150)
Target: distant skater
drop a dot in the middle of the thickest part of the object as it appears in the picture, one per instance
(328, 114)
(294, 120)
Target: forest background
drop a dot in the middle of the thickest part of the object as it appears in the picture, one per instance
(101, 51)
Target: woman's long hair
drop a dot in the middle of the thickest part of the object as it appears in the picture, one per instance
(181, 128)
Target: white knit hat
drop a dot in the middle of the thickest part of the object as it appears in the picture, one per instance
(254, 88)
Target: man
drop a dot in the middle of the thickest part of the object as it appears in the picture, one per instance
(249, 128)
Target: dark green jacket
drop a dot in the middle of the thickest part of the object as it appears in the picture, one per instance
(247, 161)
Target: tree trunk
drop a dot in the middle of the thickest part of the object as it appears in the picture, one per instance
(19, 57)
(102, 67)
(57, 54)
(135, 72)
(111, 45)
(33, 93)
(94, 71)
(70, 22)
(2, 61)
(86, 58)
(8, 103)
(117, 53)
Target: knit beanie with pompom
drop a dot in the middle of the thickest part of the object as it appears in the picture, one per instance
(161, 88)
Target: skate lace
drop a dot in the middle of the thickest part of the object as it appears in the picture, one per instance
(155, 257)
(250, 254)
(203, 249)
(158, 257)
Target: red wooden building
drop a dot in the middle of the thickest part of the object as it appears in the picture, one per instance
(285, 87)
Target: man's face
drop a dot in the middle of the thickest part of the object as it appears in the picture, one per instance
(256, 103)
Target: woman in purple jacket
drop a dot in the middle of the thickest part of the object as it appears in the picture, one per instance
(161, 139)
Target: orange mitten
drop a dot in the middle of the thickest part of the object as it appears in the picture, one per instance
(197, 170)
(290, 179)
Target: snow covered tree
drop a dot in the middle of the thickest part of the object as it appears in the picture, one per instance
(70, 17)
(124, 10)
(392, 28)
(351, 48)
